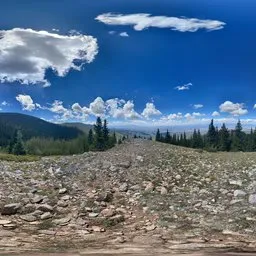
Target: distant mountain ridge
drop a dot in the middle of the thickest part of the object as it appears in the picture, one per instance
(31, 126)
(80, 126)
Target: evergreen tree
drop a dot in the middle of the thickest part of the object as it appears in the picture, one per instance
(99, 139)
(224, 139)
(167, 137)
(238, 138)
(212, 136)
(158, 135)
(105, 132)
(18, 147)
(90, 137)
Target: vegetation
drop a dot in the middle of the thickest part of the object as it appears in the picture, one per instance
(31, 127)
(214, 140)
(98, 139)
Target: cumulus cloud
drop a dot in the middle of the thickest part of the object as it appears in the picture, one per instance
(26, 102)
(150, 111)
(141, 21)
(197, 106)
(215, 113)
(119, 108)
(124, 34)
(235, 109)
(97, 107)
(26, 54)
(254, 107)
(183, 87)
(174, 116)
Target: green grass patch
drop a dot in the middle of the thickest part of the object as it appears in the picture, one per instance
(14, 158)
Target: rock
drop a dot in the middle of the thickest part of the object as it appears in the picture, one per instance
(98, 229)
(5, 233)
(150, 187)
(46, 215)
(105, 197)
(37, 199)
(28, 218)
(62, 222)
(62, 203)
(5, 222)
(239, 193)
(163, 191)
(125, 164)
(150, 228)
(62, 191)
(120, 240)
(140, 158)
(123, 187)
(252, 199)
(45, 208)
(236, 182)
(10, 209)
(108, 213)
(93, 214)
(178, 177)
(65, 198)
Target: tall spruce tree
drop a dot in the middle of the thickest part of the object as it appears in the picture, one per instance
(224, 138)
(212, 136)
(158, 135)
(98, 138)
(238, 138)
(105, 133)
(167, 137)
(90, 137)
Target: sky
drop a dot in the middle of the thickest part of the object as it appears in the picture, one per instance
(147, 63)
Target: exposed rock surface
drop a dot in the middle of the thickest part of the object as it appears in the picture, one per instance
(138, 192)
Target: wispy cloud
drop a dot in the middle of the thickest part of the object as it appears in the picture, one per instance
(197, 106)
(183, 87)
(124, 34)
(142, 21)
(26, 54)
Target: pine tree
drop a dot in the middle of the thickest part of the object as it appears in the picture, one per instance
(224, 139)
(99, 139)
(105, 133)
(158, 135)
(90, 137)
(18, 147)
(167, 138)
(211, 136)
(238, 138)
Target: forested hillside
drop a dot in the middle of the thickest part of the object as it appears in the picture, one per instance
(32, 127)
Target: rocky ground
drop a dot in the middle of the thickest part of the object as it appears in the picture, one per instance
(141, 194)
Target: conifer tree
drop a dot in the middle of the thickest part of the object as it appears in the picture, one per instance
(238, 138)
(99, 139)
(18, 147)
(105, 132)
(90, 137)
(224, 139)
(158, 135)
(211, 136)
(167, 137)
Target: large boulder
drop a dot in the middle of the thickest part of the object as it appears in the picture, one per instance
(10, 209)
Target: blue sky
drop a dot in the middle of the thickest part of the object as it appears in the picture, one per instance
(183, 64)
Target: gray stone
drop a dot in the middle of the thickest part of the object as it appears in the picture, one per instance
(252, 199)
(62, 191)
(28, 217)
(10, 209)
(62, 222)
(46, 215)
(123, 187)
(45, 208)
(239, 193)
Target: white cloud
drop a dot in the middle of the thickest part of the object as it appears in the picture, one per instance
(215, 113)
(124, 34)
(150, 110)
(26, 54)
(142, 21)
(97, 107)
(173, 116)
(254, 107)
(197, 106)
(112, 32)
(5, 103)
(235, 109)
(183, 87)
(26, 102)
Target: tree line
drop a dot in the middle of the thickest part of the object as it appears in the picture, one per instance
(98, 139)
(214, 140)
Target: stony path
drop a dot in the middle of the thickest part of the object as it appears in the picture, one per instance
(140, 193)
